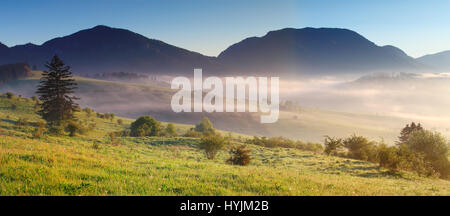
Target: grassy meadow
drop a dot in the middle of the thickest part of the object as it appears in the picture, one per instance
(90, 164)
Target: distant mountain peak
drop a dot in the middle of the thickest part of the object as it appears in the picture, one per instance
(102, 27)
(314, 50)
(3, 46)
(27, 45)
(440, 61)
(103, 49)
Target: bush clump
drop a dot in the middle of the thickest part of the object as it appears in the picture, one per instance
(39, 130)
(360, 148)
(74, 128)
(205, 127)
(145, 126)
(212, 145)
(56, 130)
(434, 148)
(333, 146)
(239, 156)
(170, 130)
(282, 142)
(9, 95)
(418, 150)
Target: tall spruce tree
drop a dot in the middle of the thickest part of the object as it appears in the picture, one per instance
(56, 90)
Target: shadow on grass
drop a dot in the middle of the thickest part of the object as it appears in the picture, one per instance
(381, 174)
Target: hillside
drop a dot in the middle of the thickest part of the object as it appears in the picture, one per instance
(440, 61)
(105, 49)
(307, 123)
(174, 166)
(315, 51)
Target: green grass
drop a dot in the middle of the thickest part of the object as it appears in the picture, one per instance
(174, 166)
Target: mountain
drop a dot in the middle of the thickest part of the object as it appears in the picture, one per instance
(105, 49)
(315, 50)
(3, 47)
(440, 61)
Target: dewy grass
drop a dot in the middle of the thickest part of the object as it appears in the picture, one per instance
(175, 166)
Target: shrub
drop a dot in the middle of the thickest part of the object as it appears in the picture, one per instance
(34, 98)
(56, 130)
(145, 126)
(112, 137)
(88, 111)
(360, 148)
(75, 128)
(333, 146)
(119, 121)
(239, 156)
(193, 133)
(22, 122)
(205, 126)
(212, 145)
(41, 124)
(13, 106)
(96, 145)
(170, 130)
(313, 147)
(38, 132)
(9, 95)
(282, 142)
(434, 148)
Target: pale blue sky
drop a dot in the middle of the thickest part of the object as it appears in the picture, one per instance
(210, 26)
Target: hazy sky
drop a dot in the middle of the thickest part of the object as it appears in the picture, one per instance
(210, 26)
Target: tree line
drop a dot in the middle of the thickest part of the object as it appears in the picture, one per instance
(13, 72)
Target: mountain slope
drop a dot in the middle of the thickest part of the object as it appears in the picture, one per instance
(308, 124)
(314, 50)
(104, 49)
(3, 47)
(440, 61)
(93, 164)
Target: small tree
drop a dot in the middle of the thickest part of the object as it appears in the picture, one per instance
(74, 128)
(205, 126)
(332, 145)
(239, 156)
(88, 111)
(9, 95)
(145, 126)
(434, 147)
(119, 121)
(212, 145)
(360, 148)
(170, 130)
(406, 131)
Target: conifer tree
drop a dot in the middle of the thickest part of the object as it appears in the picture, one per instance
(56, 90)
(408, 129)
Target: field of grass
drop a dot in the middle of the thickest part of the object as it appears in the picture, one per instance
(175, 166)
